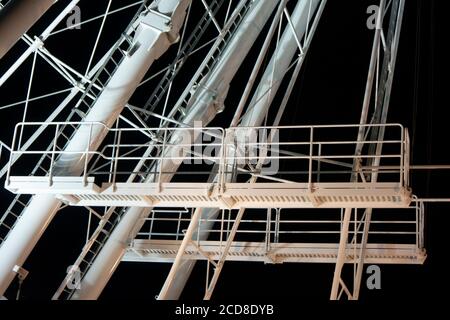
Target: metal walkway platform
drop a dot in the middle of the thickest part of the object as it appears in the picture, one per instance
(281, 235)
(166, 250)
(74, 192)
(295, 167)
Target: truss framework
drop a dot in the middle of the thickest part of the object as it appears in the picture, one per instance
(237, 178)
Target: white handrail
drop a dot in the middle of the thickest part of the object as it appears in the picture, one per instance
(246, 144)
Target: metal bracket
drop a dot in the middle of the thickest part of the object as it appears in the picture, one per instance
(21, 272)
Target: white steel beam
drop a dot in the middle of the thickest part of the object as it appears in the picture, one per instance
(362, 253)
(218, 268)
(340, 261)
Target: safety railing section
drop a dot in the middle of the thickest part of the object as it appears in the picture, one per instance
(297, 154)
(420, 225)
(315, 154)
(194, 150)
(289, 226)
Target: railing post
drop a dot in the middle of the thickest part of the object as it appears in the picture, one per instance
(402, 156)
(52, 159)
(418, 209)
(116, 160)
(422, 225)
(277, 225)
(150, 231)
(162, 160)
(11, 156)
(311, 151)
(407, 158)
(223, 159)
(113, 153)
(86, 159)
(268, 229)
(180, 216)
(319, 162)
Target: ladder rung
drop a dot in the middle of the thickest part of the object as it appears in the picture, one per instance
(114, 61)
(94, 252)
(127, 38)
(12, 213)
(80, 113)
(64, 136)
(20, 202)
(107, 72)
(108, 221)
(88, 264)
(99, 83)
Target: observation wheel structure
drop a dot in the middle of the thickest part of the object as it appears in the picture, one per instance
(167, 126)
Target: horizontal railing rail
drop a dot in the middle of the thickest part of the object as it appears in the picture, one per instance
(308, 154)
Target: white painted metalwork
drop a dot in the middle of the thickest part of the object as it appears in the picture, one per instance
(264, 94)
(253, 198)
(199, 102)
(308, 188)
(382, 78)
